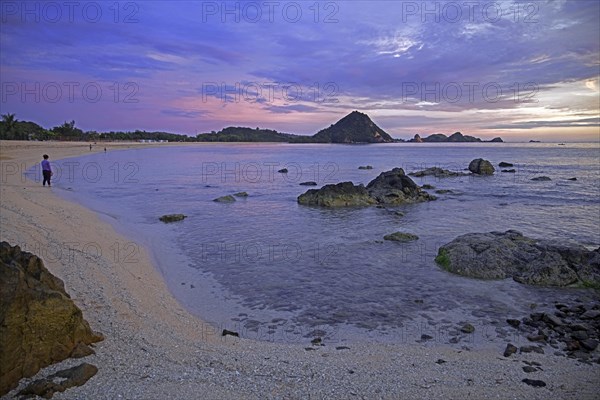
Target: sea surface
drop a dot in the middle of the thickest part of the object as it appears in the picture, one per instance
(271, 269)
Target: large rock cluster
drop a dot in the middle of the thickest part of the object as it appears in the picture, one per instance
(389, 188)
(498, 255)
(39, 323)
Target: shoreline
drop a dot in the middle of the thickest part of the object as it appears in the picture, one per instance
(154, 348)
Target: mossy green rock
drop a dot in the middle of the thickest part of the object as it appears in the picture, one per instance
(401, 237)
(344, 194)
(40, 323)
(172, 218)
(501, 255)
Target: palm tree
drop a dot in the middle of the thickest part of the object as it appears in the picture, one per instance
(10, 123)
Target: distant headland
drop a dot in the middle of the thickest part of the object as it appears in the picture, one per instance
(355, 127)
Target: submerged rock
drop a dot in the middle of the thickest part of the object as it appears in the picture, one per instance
(40, 323)
(541, 178)
(225, 199)
(510, 171)
(401, 237)
(241, 194)
(344, 194)
(498, 255)
(394, 187)
(365, 167)
(309, 183)
(167, 218)
(436, 172)
(505, 164)
(480, 166)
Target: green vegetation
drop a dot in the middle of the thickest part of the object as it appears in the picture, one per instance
(443, 259)
(590, 285)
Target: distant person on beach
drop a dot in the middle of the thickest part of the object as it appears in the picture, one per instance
(46, 170)
(105, 149)
(90, 147)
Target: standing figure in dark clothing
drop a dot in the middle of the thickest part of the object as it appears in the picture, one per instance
(46, 170)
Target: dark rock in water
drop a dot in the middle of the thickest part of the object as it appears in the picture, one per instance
(426, 337)
(510, 171)
(514, 322)
(529, 369)
(541, 179)
(60, 381)
(399, 214)
(172, 218)
(440, 361)
(436, 172)
(317, 342)
(505, 165)
(225, 199)
(40, 323)
(510, 350)
(500, 255)
(401, 237)
(534, 382)
(427, 186)
(467, 328)
(283, 171)
(309, 183)
(443, 191)
(572, 179)
(365, 167)
(241, 194)
(394, 187)
(229, 333)
(344, 194)
(480, 166)
(390, 187)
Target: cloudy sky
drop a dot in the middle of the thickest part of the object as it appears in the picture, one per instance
(516, 69)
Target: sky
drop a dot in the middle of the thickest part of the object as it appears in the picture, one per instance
(521, 70)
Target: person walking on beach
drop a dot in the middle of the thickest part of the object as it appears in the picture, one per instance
(46, 170)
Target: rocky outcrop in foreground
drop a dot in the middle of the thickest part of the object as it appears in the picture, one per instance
(39, 323)
(498, 255)
(390, 188)
(573, 329)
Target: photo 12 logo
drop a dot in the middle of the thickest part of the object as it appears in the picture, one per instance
(270, 92)
(54, 92)
(468, 92)
(469, 11)
(55, 12)
(270, 12)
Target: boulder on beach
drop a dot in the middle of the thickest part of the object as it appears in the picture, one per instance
(395, 187)
(40, 323)
(167, 218)
(480, 166)
(344, 194)
(500, 255)
(225, 199)
(436, 172)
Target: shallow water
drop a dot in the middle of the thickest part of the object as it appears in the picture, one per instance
(274, 270)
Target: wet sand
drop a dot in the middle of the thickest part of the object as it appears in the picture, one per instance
(155, 349)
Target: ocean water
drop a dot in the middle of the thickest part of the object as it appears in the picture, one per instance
(274, 270)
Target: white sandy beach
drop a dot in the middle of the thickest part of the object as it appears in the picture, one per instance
(154, 349)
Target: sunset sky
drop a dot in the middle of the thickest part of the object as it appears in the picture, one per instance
(520, 70)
